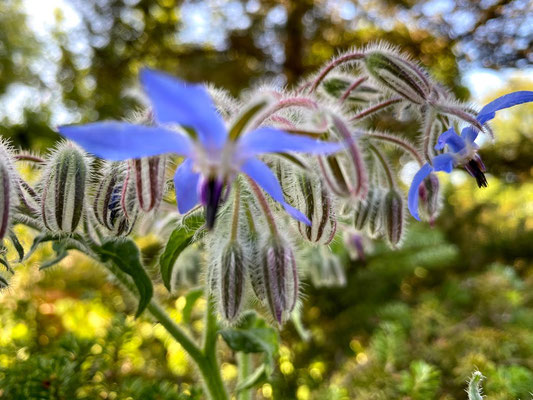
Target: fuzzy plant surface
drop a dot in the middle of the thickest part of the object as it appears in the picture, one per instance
(263, 185)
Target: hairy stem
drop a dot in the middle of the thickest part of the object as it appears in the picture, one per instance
(206, 362)
(266, 209)
(351, 88)
(335, 63)
(244, 363)
(385, 165)
(376, 108)
(404, 144)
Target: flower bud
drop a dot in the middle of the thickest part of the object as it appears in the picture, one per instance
(232, 280)
(149, 177)
(429, 195)
(393, 217)
(326, 270)
(365, 208)
(280, 278)
(311, 197)
(375, 221)
(8, 180)
(63, 195)
(114, 202)
(399, 75)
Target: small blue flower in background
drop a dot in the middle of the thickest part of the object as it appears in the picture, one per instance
(462, 150)
(211, 159)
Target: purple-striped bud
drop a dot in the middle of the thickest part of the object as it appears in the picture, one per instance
(310, 196)
(398, 74)
(375, 217)
(365, 208)
(232, 280)
(149, 177)
(393, 217)
(429, 195)
(114, 204)
(63, 195)
(280, 278)
(8, 182)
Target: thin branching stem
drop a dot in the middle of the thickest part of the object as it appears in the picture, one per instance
(333, 64)
(265, 207)
(385, 166)
(376, 108)
(351, 88)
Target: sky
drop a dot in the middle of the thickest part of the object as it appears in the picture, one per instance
(200, 25)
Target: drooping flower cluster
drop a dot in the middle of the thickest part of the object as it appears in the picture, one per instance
(274, 177)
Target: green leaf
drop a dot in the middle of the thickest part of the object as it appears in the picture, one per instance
(191, 297)
(253, 336)
(125, 254)
(180, 238)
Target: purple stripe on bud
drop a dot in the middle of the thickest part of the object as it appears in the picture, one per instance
(149, 176)
(114, 204)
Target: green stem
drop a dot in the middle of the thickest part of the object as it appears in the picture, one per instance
(244, 363)
(386, 166)
(205, 360)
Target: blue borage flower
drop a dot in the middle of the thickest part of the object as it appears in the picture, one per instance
(462, 149)
(212, 160)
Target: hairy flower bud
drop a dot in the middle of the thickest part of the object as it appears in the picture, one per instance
(114, 202)
(429, 195)
(365, 208)
(149, 177)
(8, 180)
(232, 280)
(311, 197)
(393, 216)
(399, 75)
(280, 278)
(375, 217)
(326, 270)
(63, 195)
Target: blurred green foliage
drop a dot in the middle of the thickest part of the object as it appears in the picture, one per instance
(410, 324)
